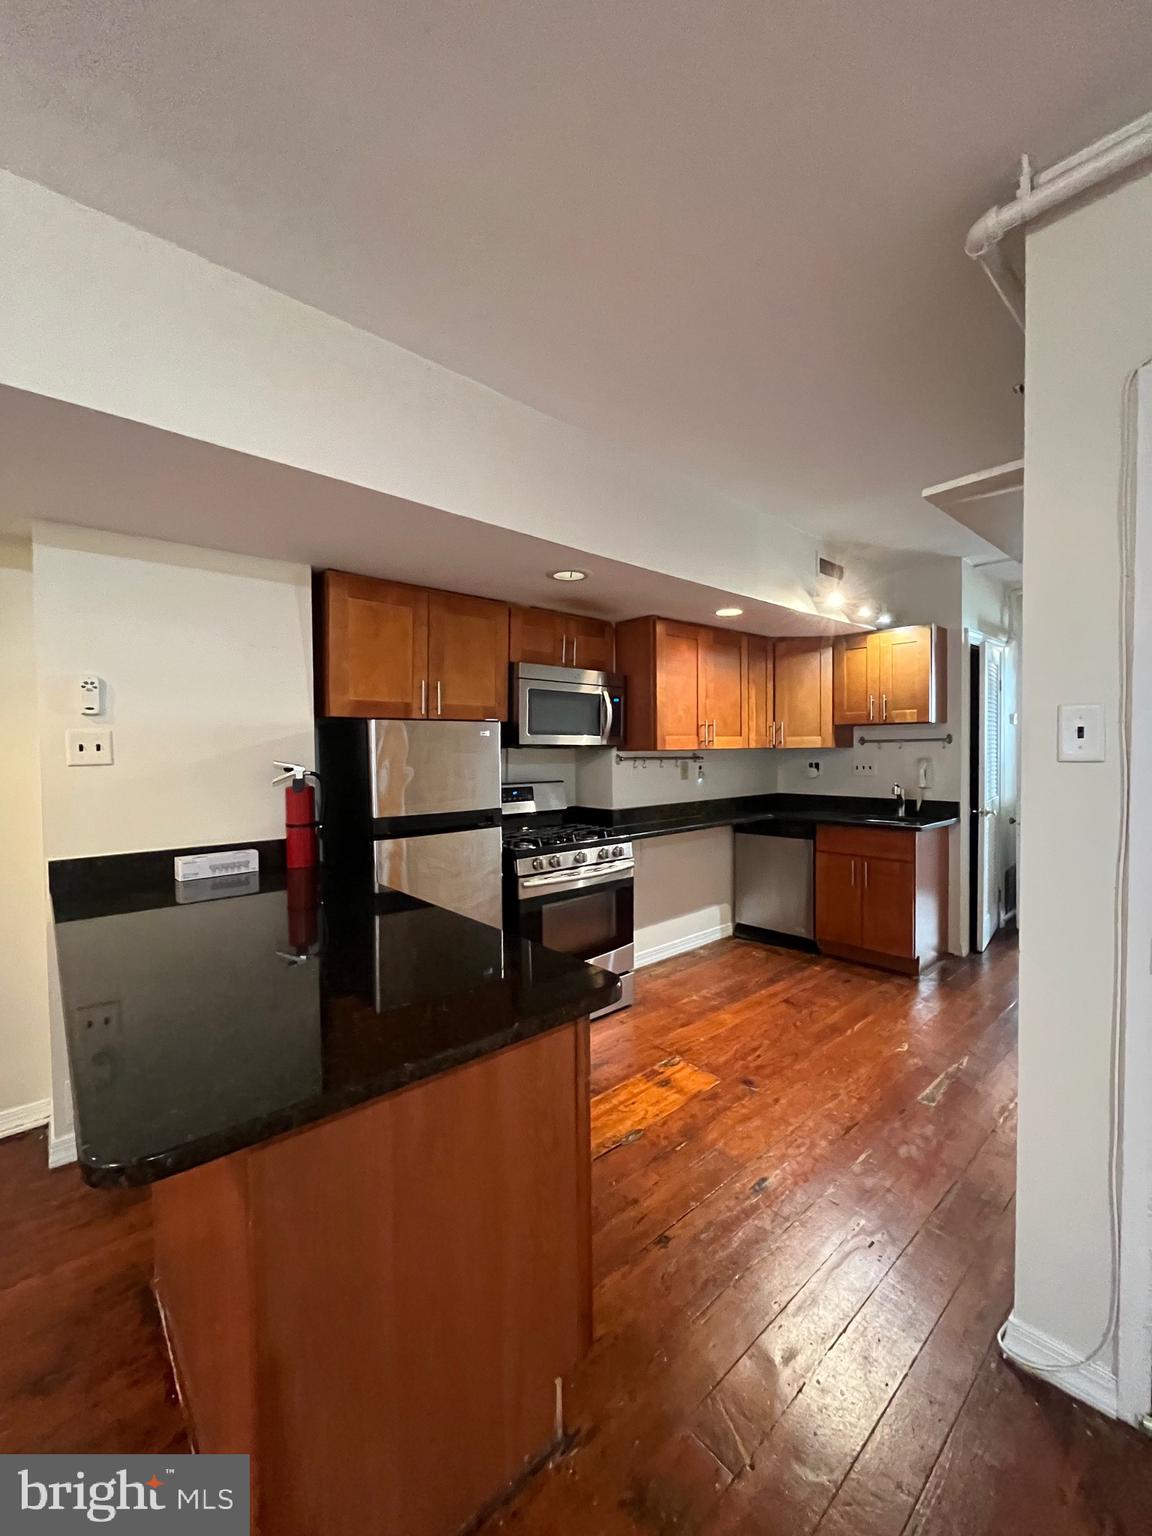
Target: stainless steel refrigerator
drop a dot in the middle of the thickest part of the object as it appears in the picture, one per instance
(424, 797)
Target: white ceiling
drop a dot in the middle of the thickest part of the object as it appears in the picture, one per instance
(62, 463)
(727, 234)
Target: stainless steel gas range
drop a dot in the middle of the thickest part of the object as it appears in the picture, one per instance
(568, 886)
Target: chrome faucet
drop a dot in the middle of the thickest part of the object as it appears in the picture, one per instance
(901, 802)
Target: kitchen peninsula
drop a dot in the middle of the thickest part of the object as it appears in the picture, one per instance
(365, 1124)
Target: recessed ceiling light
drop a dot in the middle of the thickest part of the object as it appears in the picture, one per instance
(883, 618)
(568, 575)
(729, 613)
(834, 600)
(864, 612)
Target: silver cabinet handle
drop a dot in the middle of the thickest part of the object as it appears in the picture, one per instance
(865, 874)
(883, 706)
(871, 706)
(563, 650)
(423, 695)
(703, 733)
(574, 650)
(853, 871)
(712, 736)
(780, 743)
(439, 698)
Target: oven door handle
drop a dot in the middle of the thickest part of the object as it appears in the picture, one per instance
(563, 881)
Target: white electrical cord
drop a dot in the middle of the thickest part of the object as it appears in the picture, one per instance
(1126, 534)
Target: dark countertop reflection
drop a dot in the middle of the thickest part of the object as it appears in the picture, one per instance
(201, 1026)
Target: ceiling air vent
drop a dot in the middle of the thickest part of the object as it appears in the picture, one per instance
(830, 568)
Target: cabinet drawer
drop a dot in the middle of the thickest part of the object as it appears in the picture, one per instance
(865, 842)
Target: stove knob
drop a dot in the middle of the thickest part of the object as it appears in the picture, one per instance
(579, 858)
(554, 860)
(602, 854)
(617, 852)
(537, 863)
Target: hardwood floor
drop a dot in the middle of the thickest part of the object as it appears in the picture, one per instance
(803, 1211)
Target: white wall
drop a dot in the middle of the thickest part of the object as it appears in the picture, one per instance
(101, 314)
(24, 1056)
(1089, 325)
(672, 779)
(207, 661)
(683, 892)
(524, 765)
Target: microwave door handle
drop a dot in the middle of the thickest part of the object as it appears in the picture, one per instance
(609, 715)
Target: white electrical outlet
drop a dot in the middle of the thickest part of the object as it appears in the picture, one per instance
(813, 769)
(91, 694)
(103, 1019)
(864, 765)
(88, 749)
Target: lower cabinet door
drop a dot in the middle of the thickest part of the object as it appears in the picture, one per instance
(839, 889)
(888, 916)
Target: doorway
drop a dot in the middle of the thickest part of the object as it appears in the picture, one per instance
(988, 899)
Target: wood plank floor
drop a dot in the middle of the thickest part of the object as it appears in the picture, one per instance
(803, 1220)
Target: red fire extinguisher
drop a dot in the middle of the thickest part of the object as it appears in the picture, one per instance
(299, 815)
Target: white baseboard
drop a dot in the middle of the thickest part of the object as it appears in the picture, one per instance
(24, 1117)
(61, 1150)
(1050, 1360)
(682, 945)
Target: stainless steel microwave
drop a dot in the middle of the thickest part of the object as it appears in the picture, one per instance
(565, 707)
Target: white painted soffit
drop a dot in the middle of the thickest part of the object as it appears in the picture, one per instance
(989, 502)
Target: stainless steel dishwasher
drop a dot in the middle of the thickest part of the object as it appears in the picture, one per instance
(774, 891)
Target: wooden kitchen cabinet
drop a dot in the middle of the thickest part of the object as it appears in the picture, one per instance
(467, 657)
(724, 688)
(855, 679)
(913, 676)
(761, 709)
(687, 685)
(892, 677)
(396, 652)
(803, 687)
(678, 717)
(373, 651)
(554, 639)
(591, 643)
(837, 899)
(882, 896)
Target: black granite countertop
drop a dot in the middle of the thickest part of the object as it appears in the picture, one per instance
(812, 810)
(198, 1027)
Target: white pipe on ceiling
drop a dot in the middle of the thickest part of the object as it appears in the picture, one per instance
(1080, 173)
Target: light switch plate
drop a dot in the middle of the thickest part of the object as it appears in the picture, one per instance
(1080, 733)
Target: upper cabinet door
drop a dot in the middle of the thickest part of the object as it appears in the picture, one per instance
(375, 640)
(913, 680)
(855, 680)
(467, 658)
(560, 639)
(804, 693)
(761, 714)
(588, 643)
(679, 705)
(536, 634)
(724, 687)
